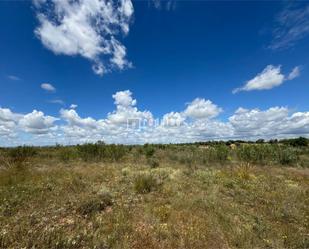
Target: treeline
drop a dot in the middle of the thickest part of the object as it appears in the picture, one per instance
(293, 152)
(296, 142)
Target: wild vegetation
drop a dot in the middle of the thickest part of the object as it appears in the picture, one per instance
(232, 194)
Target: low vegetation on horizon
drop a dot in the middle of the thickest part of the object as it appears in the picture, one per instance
(232, 194)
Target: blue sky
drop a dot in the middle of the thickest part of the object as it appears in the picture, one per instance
(181, 61)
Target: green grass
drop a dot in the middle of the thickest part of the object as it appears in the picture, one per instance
(193, 198)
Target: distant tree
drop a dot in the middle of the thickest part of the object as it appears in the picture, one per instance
(273, 141)
(100, 142)
(301, 141)
(296, 142)
(260, 141)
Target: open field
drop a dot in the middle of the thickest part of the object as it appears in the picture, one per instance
(155, 196)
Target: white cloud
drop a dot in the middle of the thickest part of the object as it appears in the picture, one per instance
(126, 110)
(36, 122)
(294, 73)
(201, 108)
(292, 25)
(98, 68)
(37, 3)
(56, 101)
(74, 119)
(87, 28)
(269, 78)
(256, 122)
(7, 115)
(12, 125)
(165, 4)
(73, 106)
(80, 130)
(119, 54)
(8, 122)
(124, 98)
(48, 87)
(273, 122)
(13, 77)
(197, 122)
(298, 123)
(173, 119)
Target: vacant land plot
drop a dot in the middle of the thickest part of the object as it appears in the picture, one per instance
(175, 196)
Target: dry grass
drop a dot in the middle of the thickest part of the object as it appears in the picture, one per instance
(76, 204)
(226, 208)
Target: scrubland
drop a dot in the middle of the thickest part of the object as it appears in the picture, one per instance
(206, 195)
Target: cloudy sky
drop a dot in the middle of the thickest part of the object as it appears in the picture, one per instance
(152, 71)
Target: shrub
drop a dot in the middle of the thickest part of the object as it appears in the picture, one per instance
(243, 171)
(149, 150)
(101, 152)
(297, 142)
(104, 192)
(257, 153)
(222, 153)
(21, 154)
(113, 152)
(95, 204)
(153, 163)
(267, 154)
(89, 152)
(218, 153)
(144, 184)
(287, 156)
(67, 153)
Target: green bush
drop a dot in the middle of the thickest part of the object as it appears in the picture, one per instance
(256, 153)
(95, 204)
(67, 154)
(153, 163)
(296, 142)
(89, 152)
(21, 154)
(267, 154)
(222, 153)
(113, 152)
(287, 156)
(101, 152)
(145, 183)
(149, 150)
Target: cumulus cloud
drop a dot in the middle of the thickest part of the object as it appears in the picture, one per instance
(87, 28)
(273, 122)
(126, 110)
(48, 87)
(36, 122)
(269, 78)
(129, 125)
(13, 124)
(73, 106)
(201, 108)
(173, 119)
(292, 25)
(256, 122)
(8, 122)
(7, 115)
(124, 98)
(73, 119)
